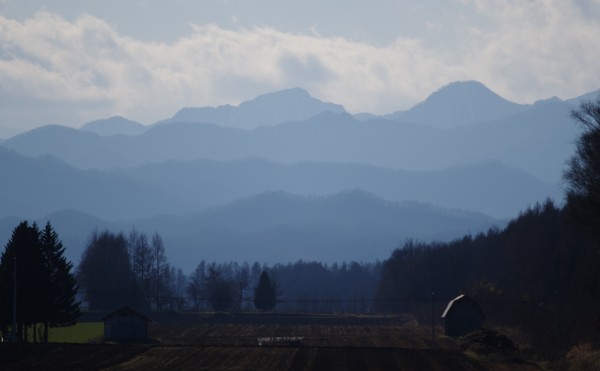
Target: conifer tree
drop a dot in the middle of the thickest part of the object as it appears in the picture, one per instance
(63, 307)
(46, 287)
(32, 276)
(265, 295)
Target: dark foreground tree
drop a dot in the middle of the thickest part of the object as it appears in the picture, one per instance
(23, 250)
(63, 307)
(45, 285)
(265, 293)
(105, 273)
(583, 175)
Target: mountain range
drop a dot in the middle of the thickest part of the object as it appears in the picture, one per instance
(538, 140)
(463, 148)
(267, 109)
(32, 187)
(277, 227)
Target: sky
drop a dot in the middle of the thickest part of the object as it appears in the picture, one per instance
(69, 62)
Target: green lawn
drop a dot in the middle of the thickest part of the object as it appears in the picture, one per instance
(79, 333)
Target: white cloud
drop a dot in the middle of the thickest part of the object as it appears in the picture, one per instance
(536, 48)
(531, 50)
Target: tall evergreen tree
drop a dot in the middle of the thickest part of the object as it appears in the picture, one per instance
(46, 287)
(33, 279)
(63, 309)
(265, 294)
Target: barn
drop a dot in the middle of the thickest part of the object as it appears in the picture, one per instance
(462, 316)
(125, 324)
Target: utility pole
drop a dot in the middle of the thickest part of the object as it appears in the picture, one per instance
(14, 329)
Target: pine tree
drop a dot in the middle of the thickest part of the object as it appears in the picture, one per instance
(265, 295)
(46, 287)
(63, 307)
(33, 279)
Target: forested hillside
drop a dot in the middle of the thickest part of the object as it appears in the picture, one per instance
(539, 275)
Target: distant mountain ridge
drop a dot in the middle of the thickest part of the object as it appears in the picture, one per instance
(322, 184)
(115, 125)
(459, 103)
(489, 187)
(35, 186)
(329, 137)
(267, 109)
(278, 227)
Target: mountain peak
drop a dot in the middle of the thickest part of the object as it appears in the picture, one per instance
(459, 103)
(116, 125)
(291, 93)
(462, 92)
(294, 104)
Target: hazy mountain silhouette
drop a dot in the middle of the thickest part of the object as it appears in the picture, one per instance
(268, 109)
(278, 227)
(538, 139)
(186, 186)
(459, 103)
(31, 187)
(7, 132)
(108, 175)
(76, 227)
(592, 96)
(488, 187)
(116, 125)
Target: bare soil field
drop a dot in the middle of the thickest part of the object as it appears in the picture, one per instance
(224, 342)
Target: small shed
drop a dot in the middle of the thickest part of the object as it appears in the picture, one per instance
(125, 324)
(462, 316)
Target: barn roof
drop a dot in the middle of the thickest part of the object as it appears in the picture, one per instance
(125, 311)
(462, 298)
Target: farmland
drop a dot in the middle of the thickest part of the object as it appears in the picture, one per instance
(230, 342)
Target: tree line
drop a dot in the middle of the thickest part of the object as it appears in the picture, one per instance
(302, 286)
(116, 270)
(540, 274)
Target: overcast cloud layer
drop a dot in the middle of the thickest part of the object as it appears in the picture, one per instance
(71, 67)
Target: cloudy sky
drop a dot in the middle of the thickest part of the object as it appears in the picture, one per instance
(71, 61)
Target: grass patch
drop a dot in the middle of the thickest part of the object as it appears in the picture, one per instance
(79, 333)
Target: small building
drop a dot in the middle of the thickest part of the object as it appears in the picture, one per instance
(125, 324)
(462, 316)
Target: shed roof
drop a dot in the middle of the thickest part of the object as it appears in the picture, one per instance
(462, 298)
(125, 311)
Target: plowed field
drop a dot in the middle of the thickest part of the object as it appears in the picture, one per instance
(196, 342)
